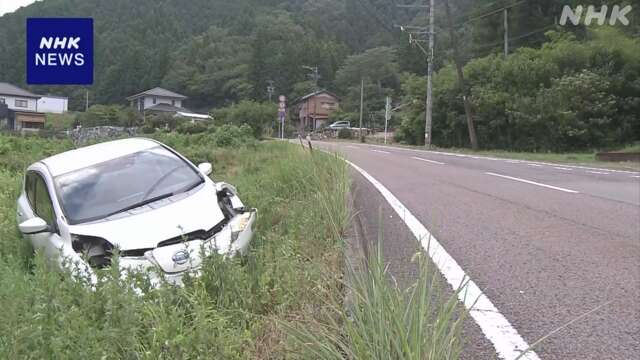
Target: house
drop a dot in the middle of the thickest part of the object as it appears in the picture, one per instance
(314, 109)
(163, 101)
(21, 107)
(53, 104)
(149, 99)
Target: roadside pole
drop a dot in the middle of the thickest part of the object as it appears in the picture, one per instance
(361, 108)
(282, 113)
(429, 104)
(387, 117)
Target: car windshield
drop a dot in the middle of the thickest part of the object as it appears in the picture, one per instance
(98, 191)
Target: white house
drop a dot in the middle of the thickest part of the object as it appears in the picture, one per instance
(18, 99)
(53, 104)
(146, 100)
(22, 106)
(159, 100)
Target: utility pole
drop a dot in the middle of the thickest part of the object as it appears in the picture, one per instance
(387, 117)
(430, 31)
(429, 105)
(361, 108)
(506, 32)
(465, 91)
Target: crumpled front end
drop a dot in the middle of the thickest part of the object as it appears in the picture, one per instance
(183, 253)
(173, 261)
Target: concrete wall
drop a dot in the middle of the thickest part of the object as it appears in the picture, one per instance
(56, 105)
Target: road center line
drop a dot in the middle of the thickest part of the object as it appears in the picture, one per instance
(533, 183)
(536, 165)
(562, 168)
(382, 152)
(504, 337)
(427, 160)
(598, 172)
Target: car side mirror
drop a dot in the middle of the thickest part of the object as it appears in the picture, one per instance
(34, 226)
(205, 168)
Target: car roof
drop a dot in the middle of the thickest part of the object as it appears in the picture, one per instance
(87, 156)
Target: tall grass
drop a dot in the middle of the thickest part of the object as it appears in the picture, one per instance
(385, 321)
(232, 311)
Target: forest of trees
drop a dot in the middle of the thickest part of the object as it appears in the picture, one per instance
(561, 88)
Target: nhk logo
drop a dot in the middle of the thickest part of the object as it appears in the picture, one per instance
(618, 14)
(60, 51)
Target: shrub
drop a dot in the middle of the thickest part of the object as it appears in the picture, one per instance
(108, 115)
(188, 127)
(258, 116)
(345, 134)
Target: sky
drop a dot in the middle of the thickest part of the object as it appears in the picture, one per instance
(7, 6)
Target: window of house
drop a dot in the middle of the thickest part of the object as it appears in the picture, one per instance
(22, 103)
(155, 100)
(2, 101)
(173, 103)
(32, 125)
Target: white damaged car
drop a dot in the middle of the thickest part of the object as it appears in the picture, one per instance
(138, 196)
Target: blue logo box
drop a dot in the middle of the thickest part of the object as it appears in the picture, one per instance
(59, 51)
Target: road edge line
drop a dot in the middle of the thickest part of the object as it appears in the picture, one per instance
(503, 336)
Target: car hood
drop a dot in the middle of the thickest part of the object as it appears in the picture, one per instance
(145, 227)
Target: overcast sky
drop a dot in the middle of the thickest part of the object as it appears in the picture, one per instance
(7, 6)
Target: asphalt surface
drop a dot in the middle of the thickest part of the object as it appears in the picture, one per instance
(546, 243)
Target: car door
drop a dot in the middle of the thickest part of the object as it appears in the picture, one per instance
(40, 205)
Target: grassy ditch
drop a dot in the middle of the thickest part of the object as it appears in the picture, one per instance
(283, 300)
(232, 311)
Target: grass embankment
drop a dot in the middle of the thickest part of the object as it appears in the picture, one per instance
(285, 299)
(232, 311)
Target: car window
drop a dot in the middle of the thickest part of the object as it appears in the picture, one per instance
(43, 205)
(98, 191)
(30, 189)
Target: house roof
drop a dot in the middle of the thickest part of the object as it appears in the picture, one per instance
(8, 89)
(158, 91)
(315, 93)
(166, 108)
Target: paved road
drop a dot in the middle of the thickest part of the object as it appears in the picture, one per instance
(545, 242)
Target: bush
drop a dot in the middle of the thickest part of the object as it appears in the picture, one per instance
(258, 116)
(345, 134)
(188, 127)
(568, 95)
(108, 115)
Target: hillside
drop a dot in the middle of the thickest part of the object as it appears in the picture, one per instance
(220, 52)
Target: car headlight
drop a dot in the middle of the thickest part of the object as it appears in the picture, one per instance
(239, 224)
(96, 250)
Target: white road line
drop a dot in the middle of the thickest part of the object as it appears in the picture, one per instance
(532, 182)
(382, 152)
(563, 168)
(598, 172)
(352, 147)
(427, 160)
(504, 337)
(503, 159)
(536, 165)
(636, 176)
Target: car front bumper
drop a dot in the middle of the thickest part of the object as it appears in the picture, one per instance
(235, 238)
